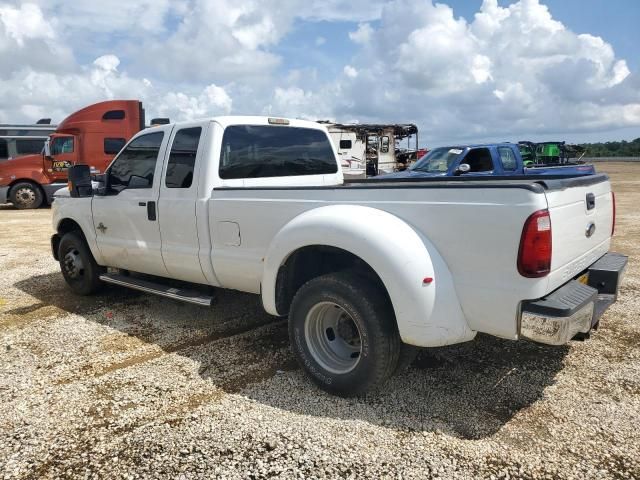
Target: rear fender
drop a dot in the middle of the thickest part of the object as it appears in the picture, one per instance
(427, 314)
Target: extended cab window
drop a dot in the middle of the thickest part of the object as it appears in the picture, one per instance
(135, 165)
(183, 158)
(269, 151)
(113, 145)
(479, 159)
(62, 145)
(507, 158)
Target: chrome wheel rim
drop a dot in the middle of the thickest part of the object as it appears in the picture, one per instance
(333, 338)
(72, 264)
(25, 196)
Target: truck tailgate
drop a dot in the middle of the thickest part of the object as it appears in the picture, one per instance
(581, 211)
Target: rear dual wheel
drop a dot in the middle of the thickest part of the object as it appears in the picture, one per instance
(343, 333)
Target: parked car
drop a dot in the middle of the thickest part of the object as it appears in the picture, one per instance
(365, 271)
(501, 159)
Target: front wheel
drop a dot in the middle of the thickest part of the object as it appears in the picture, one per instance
(25, 195)
(79, 269)
(343, 333)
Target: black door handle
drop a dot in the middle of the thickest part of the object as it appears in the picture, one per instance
(591, 201)
(151, 211)
(142, 204)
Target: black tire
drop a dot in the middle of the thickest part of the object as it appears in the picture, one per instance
(79, 268)
(26, 195)
(362, 304)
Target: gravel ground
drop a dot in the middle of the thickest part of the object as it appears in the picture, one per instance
(133, 386)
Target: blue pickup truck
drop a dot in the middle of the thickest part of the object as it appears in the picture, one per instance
(498, 159)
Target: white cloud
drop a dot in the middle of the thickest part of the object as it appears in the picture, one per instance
(362, 35)
(24, 22)
(350, 72)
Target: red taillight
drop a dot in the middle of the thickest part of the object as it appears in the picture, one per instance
(613, 222)
(534, 256)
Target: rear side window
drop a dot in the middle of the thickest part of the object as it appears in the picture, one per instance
(113, 145)
(479, 159)
(507, 158)
(183, 158)
(4, 149)
(345, 144)
(269, 151)
(136, 164)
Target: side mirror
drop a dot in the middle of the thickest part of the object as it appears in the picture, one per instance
(80, 181)
(462, 168)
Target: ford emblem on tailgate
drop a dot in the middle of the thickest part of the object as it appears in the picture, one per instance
(591, 229)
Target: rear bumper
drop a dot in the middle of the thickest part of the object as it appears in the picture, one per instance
(4, 195)
(575, 307)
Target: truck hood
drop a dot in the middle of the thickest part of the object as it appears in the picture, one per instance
(8, 168)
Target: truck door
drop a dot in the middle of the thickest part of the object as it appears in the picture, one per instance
(126, 218)
(177, 203)
(63, 155)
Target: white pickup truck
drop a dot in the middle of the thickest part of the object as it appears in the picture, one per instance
(365, 271)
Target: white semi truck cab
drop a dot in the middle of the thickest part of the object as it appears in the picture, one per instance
(365, 271)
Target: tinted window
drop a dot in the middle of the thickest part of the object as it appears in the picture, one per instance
(345, 144)
(113, 115)
(507, 158)
(26, 147)
(61, 145)
(479, 159)
(269, 151)
(135, 165)
(183, 158)
(113, 145)
(4, 148)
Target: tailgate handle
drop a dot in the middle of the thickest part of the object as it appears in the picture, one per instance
(591, 201)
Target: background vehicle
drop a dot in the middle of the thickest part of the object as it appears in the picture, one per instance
(365, 271)
(367, 150)
(17, 140)
(548, 153)
(92, 135)
(502, 159)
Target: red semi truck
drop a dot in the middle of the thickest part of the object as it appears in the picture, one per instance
(92, 136)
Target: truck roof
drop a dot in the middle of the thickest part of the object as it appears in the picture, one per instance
(227, 120)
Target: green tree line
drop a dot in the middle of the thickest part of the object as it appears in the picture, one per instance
(613, 149)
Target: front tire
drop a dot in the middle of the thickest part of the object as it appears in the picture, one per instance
(343, 333)
(79, 268)
(26, 195)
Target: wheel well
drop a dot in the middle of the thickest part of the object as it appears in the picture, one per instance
(68, 225)
(313, 261)
(26, 180)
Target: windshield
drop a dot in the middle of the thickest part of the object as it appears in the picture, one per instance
(438, 160)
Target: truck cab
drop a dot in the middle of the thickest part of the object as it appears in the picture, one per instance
(92, 136)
